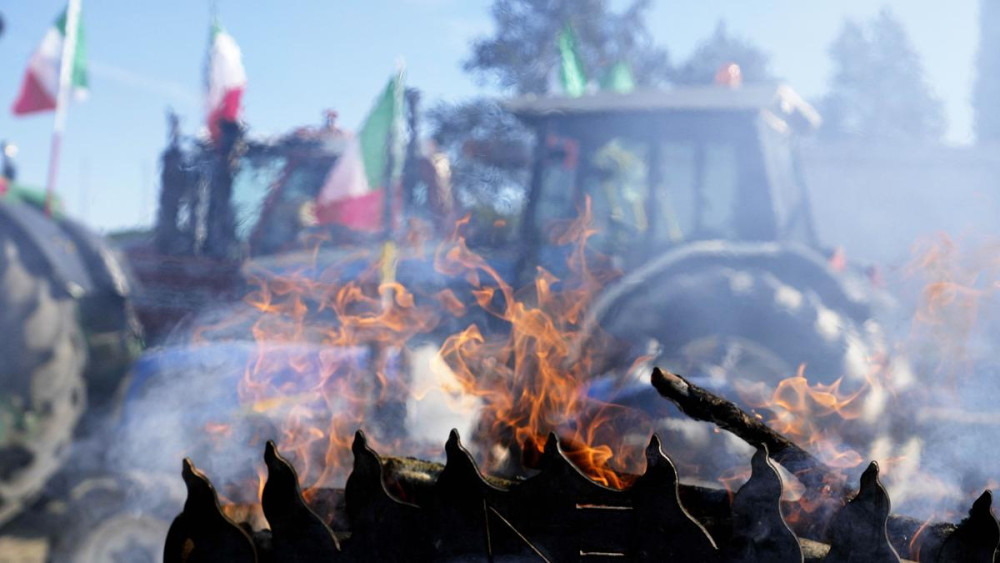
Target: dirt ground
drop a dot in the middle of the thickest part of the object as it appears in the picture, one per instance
(16, 550)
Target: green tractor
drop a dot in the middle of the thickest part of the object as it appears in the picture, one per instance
(69, 335)
(698, 195)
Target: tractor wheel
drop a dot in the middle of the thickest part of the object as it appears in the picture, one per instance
(42, 390)
(117, 518)
(710, 321)
(738, 333)
(114, 341)
(109, 320)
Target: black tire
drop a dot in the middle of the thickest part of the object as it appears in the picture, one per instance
(110, 323)
(114, 340)
(752, 305)
(699, 319)
(42, 391)
(117, 518)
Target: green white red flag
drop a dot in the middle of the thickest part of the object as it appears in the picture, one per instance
(225, 79)
(40, 87)
(353, 193)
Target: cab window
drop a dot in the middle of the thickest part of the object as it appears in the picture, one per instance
(790, 205)
(282, 222)
(251, 187)
(557, 198)
(697, 191)
(718, 187)
(617, 183)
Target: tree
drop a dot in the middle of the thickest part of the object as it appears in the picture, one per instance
(719, 49)
(986, 91)
(489, 150)
(522, 57)
(879, 91)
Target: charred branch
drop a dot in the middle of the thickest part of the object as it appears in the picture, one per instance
(703, 405)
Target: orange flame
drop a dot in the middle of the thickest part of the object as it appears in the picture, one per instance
(328, 356)
(957, 281)
(331, 358)
(530, 382)
(809, 414)
(812, 415)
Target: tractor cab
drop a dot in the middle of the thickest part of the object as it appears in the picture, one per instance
(662, 168)
(275, 190)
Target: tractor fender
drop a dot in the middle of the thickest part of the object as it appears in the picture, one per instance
(40, 234)
(81, 262)
(106, 313)
(796, 264)
(85, 268)
(108, 269)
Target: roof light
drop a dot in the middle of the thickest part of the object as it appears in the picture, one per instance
(729, 74)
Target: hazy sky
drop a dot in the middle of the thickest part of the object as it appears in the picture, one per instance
(303, 57)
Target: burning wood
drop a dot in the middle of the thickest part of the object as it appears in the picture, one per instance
(907, 535)
(700, 404)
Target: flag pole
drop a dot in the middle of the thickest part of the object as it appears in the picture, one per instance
(390, 165)
(389, 259)
(62, 98)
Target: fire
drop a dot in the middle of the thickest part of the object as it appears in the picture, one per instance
(958, 281)
(332, 357)
(527, 376)
(814, 416)
(810, 414)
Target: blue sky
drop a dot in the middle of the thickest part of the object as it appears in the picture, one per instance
(306, 56)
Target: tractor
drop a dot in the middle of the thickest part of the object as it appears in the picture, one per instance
(698, 195)
(70, 335)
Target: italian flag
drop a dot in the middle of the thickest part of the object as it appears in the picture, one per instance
(225, 79)
(40, 87)
(353, 193)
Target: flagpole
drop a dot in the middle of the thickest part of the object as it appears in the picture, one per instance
(62, 98)
(390, 164)
(389, 258)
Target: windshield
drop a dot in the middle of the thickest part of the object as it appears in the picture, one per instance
(791, 204)
(665, 191)
(251, 187)
(292, 207)
(697, 194)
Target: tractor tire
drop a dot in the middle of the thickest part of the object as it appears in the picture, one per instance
(788, 326)
(107, 315)
(117, 518)
(42, 390)
(738, 333)
(114, 341)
